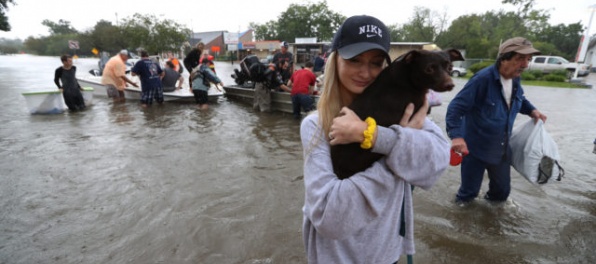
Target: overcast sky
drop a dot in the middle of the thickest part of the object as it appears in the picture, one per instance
(234, 15)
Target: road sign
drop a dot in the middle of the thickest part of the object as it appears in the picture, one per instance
(73, 44)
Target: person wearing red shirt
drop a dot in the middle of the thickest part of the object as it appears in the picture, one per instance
(302, 82)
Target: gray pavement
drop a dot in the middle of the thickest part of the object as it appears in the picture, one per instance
(590, 79)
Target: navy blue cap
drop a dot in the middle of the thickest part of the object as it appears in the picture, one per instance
(359, 34)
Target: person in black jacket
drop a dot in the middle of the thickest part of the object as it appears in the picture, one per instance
(192, 58)
(65, 79)
(284, 55)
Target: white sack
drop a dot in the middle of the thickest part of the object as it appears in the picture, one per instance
(529, 143)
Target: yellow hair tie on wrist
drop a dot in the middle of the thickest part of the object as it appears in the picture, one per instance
(368, 133)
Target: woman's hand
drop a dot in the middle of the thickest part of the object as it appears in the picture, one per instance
(416, 120)
(347, 128)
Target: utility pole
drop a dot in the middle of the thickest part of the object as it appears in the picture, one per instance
(583, 45)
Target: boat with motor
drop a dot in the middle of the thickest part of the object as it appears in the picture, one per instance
(280, 101)
(250, 69)
(93, 79)
(180, 95)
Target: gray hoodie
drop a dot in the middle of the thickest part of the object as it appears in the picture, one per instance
(357, 220)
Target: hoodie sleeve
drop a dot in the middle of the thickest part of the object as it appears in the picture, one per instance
(418, 156)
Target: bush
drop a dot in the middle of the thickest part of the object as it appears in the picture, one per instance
(528, 76)
(476, 67)
(536, 73)
(555, 77)
(559, 73)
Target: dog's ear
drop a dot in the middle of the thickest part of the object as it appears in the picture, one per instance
(410, 56)
(455, 55)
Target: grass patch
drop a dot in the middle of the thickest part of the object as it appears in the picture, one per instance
(542, 83)
(553, 84)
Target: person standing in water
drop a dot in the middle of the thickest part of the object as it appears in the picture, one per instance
(65, 79)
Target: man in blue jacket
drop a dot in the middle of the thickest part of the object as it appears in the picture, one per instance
(480, 119)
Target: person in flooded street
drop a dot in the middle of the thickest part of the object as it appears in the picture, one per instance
(191, 61)
(150, 74)
(368, 217)
(202, 77)
(114, 76)
(65, 79)
(480, 118)
(271, 80)
(303, 82)
(284, 55)
(319, 64)
(171, 79)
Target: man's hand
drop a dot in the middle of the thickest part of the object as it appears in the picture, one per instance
(537, 115)
(459, 145)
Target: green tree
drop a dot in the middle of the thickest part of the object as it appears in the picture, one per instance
(461, 31)
(62, 27)
(424, 26)
(565, 38)
(473, 33)
(4, 25)
(57, 44)
(35, 45)
(169, 36)
(396, 33)
(153, 35)
(264, 31)
(8, 46)
(308, 20)
(104, 37)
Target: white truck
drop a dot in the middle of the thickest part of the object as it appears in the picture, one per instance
(547, 64)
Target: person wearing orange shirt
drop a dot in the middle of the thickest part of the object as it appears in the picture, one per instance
(114, 76)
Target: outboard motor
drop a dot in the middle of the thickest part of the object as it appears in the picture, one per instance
(104, 57)
(251, 70)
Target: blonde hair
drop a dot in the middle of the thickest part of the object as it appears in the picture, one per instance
(330, 101)
(332, 98)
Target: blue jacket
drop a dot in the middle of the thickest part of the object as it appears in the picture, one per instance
(480, 115)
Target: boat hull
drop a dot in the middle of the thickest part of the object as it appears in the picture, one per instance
(52, 101)
(134, 93)
(280, 101)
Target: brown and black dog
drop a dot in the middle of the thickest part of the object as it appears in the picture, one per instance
(407, 79)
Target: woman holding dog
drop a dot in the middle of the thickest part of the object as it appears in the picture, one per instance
(368, 217)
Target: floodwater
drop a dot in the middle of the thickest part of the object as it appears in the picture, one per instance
(172, 184)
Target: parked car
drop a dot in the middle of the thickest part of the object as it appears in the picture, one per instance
(458, 72)
(548, 64)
